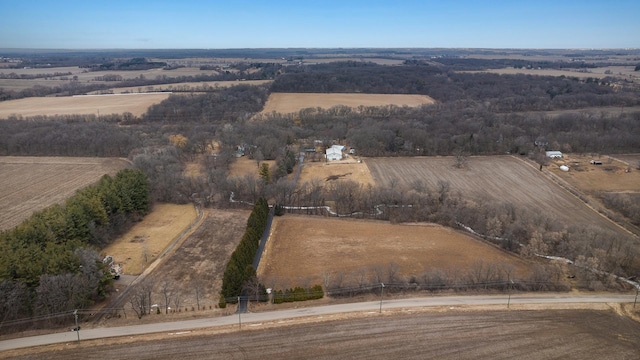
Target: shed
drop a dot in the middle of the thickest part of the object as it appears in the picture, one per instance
(554, 154)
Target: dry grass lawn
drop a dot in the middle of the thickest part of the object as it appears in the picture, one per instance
(30, 184)
(301, 249)
(145, 241)
(328, 172)
(244, 166)
(610, 176)
(294, 102)
(136, 104)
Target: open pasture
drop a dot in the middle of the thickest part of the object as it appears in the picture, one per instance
(301, 250)
(293, 102)
(30, 184)
(495, 178)
(136, 104)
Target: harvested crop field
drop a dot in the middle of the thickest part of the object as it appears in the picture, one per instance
(146, 240)
(495, 178)
(302, 249)
(414, 334)
(30, 184)
(136, 104)
(293, 102)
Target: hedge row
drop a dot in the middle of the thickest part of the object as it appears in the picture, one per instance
(298, 294)
(240, 267)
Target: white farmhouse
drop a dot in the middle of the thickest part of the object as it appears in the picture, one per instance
(334, 152)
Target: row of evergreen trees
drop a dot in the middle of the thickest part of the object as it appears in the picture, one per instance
(55, 241)
(240, 269)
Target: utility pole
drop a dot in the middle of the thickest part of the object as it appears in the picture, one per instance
(636, 299)
(239, 317)
(381, 293)
(75, 313)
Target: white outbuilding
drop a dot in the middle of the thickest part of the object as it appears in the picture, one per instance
(554, 154)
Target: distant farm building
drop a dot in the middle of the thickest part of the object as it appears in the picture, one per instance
(554, 154)
(334, 153)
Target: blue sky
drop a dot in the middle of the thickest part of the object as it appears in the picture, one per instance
(158, 24)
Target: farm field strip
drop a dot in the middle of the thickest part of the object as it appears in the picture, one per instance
(294, 102)
(496, 178)
(136, 104)
(177, 86)
(31, 184)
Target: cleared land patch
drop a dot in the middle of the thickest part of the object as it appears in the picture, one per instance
(293, 102)
(302, 249)
(244, 166)
(146, 240)
(611, 175)
(491, 178)
(136, 104)
(326, 172)
(30, 184)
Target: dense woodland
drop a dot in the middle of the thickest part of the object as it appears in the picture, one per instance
(476, 114)
(51, 264)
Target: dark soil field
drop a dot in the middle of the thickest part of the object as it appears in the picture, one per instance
(460, 335)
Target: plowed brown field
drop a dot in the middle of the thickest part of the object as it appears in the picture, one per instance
(495, 178)
(29, 184)
(302, 249)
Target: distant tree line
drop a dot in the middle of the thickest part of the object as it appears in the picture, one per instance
(50, 264)
(505, 93)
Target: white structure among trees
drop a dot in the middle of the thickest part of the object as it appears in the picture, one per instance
(334, 152)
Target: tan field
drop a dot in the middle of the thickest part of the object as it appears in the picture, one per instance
(327, 172)
(615, 71)
(301, 250)
(611, 176)
(244, 166)
(30, 184)
(146, 240)
(293, 102)
(136, 104)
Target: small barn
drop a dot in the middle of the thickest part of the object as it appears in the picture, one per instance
(334, 153)
(554, 154)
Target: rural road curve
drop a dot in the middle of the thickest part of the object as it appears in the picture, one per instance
(69, 336)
